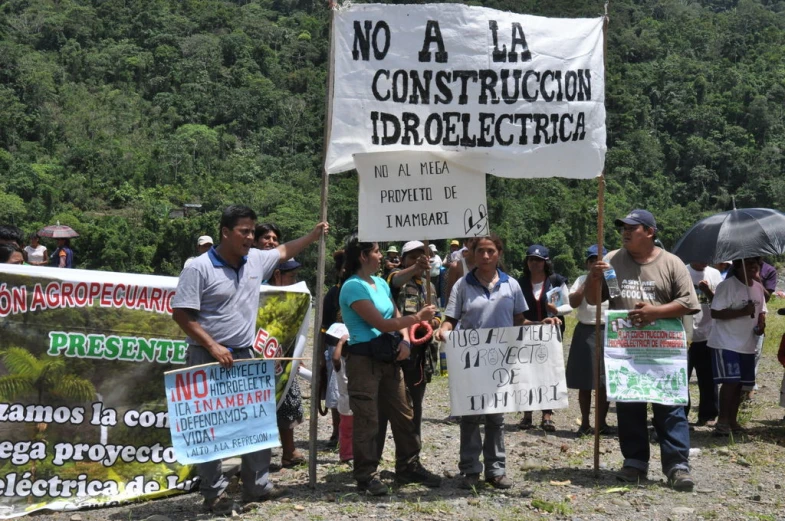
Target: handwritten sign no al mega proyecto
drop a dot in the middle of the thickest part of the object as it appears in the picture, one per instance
(505, 369)
(516, 95)
(405, 195)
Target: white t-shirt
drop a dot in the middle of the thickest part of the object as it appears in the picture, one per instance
(587, 313)
(702, 321)
(736, 334)
(35, 254)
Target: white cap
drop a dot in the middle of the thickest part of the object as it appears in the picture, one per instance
(433, 247)
(204, 239)
(412, 245)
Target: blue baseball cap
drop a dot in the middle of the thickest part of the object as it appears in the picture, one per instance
(538, 250)
(289, 265)
(591, 251)
(638, 216)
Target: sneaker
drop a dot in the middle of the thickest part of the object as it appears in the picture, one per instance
(501, 482)
(222, 504)
(416, 473)
(631, 475)
(681, 480)
(469, 482)
(374, 487)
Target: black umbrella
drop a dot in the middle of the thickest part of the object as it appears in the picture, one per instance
(735, 234)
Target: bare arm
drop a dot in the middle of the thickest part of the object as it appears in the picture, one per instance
(576, 297)
(399, 278)
(453, 274)
(371, 315)
(293, 248)
(187, 321)
(729, 314)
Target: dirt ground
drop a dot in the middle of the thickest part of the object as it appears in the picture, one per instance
(737, 478)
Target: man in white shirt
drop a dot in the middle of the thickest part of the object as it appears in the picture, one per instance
(739, 313)
(705, 279)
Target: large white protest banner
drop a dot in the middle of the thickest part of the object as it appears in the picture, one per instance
(505, 370)
(517, 95)
(645, 363)
(419, 194)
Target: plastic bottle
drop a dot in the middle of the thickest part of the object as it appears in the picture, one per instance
(612, 282)
(443, 363)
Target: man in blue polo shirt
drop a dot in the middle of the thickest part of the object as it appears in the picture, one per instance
(216, 304)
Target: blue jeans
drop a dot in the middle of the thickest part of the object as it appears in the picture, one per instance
(671, 425)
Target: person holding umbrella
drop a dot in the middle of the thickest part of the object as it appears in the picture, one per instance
(655, 284)
(739, 313)
(63, 256)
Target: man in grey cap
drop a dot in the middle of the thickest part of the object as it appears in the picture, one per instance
(654, 285)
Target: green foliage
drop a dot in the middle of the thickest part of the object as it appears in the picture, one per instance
(113, 114)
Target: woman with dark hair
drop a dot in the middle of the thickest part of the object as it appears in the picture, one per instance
(375, 379)
(36, 252)
(10, 253)
(485, 298)
(546, 296)
(290, 414)
(63, 256)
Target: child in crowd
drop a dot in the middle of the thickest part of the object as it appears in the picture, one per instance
(338, 387)
(739, 313)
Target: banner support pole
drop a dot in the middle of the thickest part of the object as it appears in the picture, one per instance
(318, 358)
(599, 348)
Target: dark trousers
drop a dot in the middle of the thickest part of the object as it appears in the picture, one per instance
(375, 386)
(414, 378)
(699, 358)
(672, 428)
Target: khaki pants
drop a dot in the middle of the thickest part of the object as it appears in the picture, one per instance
(374, 386)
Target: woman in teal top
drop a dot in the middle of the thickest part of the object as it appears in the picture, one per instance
(369, 313)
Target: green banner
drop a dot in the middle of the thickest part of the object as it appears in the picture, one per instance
(645, 363)
(82, 403)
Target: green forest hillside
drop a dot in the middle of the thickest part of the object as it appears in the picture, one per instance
(116, 113)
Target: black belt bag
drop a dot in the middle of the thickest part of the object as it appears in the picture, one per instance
(383, 348)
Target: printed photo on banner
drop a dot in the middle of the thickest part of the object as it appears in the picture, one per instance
(419, 194)
(83, 407)
(645, 363)
(506, 369)
(504, 89)
(217, 413)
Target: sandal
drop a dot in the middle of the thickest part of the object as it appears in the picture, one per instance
(525, 424)
(721, 429)
(548, 426)
(296, 459)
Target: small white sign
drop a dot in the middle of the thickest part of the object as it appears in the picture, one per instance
(507, 369)
(419, 195)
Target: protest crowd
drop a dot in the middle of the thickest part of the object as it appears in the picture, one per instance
(388, 312)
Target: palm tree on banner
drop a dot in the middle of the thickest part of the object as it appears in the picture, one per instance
(39, 377)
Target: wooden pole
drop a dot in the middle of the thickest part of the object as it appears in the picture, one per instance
(317, 358)
(599, 351)
(428, 293)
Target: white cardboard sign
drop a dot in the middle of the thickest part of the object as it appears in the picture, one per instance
(507, 369)
(516, 95)
(419, 195)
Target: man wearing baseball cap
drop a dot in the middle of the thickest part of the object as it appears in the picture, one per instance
(654, 285)
(203, 243)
